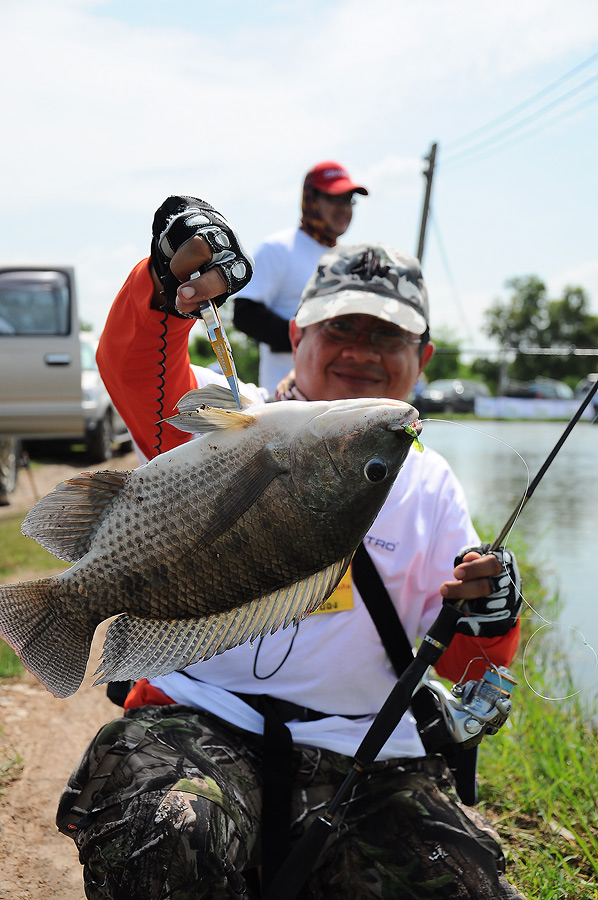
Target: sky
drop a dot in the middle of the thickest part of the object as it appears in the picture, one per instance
(109, 106)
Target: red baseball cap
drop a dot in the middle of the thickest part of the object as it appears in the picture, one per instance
(332, 178)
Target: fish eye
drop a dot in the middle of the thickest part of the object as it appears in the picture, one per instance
(375, 470)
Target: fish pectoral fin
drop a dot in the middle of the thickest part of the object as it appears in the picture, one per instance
(65, 521)
(211, 395)
(208, 409)
(253, 480)
(146, 648)
(200, 421)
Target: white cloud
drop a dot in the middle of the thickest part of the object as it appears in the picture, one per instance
(95, 100)
(107, 115)
(584, 275)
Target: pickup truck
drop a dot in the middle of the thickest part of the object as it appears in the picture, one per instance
(50, 387)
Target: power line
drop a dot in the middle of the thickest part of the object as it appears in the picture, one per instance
(457, 163)
(525, 103)
(449, 275)
(517, 125)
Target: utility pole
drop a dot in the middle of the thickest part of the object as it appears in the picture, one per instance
(428, 175)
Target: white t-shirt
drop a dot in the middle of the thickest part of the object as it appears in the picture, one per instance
(283, 265)
(334, 661)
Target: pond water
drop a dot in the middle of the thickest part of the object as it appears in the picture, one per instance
(559, 521)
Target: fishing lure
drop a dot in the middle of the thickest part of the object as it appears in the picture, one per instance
(411, 431)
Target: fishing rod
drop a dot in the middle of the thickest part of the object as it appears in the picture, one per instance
(294, 871)
(534, 484)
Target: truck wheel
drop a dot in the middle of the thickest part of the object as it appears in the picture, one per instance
(10, 457)
(99, 445)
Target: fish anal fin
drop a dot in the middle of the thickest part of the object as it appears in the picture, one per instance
(136, 648)
(65, 521)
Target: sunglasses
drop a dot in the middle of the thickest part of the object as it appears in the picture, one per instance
(386, 339)
(338, 199)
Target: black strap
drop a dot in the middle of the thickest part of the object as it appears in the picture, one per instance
(277, 775)
(381, 609)
(277, 791)
(389, 626)
(463, 763)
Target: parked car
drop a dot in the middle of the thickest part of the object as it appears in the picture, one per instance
(50, 388)
(582, 388)
(539, 388)
(450, 395)
(103, 423)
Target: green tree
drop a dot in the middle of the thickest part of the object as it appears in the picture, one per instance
(530, 320)
(520, 320)
(486, 370)
(570, 324)
(245, 353)
(446, 362)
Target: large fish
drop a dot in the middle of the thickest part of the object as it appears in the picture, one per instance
(247, 528)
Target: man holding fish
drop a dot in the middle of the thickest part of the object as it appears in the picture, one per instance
(168, 799)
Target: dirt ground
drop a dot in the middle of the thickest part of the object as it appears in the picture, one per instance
(36, 861)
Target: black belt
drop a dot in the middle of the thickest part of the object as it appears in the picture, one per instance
(286, 710)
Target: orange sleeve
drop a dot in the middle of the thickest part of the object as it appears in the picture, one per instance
(143, 358)
(145, 694)
(499, 650)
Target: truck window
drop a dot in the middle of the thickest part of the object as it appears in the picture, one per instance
(88, 357)
(35, 304)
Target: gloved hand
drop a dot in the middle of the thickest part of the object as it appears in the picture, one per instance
(497, 613)
(179, 219)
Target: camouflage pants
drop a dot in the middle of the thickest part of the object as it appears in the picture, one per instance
(170, 810)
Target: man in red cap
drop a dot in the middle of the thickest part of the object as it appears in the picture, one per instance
(284, 262)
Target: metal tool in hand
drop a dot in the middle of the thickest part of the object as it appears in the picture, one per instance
(220, 345)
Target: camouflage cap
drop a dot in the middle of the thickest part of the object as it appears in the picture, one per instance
(368, 279)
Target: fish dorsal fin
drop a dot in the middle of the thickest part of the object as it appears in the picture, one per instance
(211, 395)
(65, 521)
(136, 648)
(208, 409)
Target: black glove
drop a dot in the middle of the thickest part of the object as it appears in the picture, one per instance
(178, 220)
(497, 613)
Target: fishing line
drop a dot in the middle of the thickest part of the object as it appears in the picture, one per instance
(516, 452)
(505, 534)
(519, 509)
(574, 693)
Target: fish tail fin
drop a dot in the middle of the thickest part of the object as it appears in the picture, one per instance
(45, 637)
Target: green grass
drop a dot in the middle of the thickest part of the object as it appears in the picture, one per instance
(10, 665)
(11, 766)
(539, 775)
(20, 555)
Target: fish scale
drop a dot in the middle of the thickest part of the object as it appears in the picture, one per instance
(243, 530)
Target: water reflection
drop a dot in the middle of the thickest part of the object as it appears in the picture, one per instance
(559, 521)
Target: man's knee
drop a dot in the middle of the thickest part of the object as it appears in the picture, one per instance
(163, 844)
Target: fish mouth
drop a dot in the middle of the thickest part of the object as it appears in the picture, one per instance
(413, 426)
